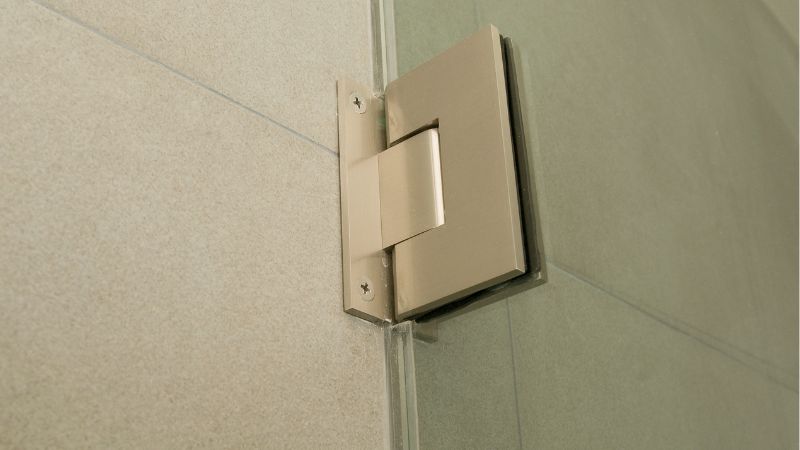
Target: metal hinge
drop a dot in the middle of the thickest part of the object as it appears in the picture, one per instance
(436, 204)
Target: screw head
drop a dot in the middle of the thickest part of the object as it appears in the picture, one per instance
(359, 102)
(366, 289)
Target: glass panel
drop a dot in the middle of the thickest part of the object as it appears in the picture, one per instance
(664, 144)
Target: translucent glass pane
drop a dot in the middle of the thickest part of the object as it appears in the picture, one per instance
(664, 144)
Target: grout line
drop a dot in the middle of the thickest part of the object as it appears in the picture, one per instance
(514, 373)
(191, 80)
(753, 362)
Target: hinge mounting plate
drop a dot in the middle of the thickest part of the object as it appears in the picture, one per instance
(366, 266)
(445, 212)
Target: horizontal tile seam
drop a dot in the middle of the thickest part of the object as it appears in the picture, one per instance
(113, 40)
(756, 364)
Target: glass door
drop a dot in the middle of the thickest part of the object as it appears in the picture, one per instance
(663, 137)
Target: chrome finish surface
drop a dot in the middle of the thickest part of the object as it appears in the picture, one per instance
(366, 268)
(463, 93)
(410, 188)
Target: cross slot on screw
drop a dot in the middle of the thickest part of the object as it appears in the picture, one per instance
(365, 289)
(358, 102)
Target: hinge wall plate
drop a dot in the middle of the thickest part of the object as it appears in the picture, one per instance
(366, 267)
(436, 216)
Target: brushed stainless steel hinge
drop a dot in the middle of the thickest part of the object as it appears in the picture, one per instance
(437, 201)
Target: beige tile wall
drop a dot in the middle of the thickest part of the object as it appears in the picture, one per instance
(279, 57)
(169, 255)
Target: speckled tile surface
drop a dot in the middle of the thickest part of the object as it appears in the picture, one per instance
(170, 266)
(280, 57)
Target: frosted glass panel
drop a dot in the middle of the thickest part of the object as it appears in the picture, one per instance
(664, 143)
